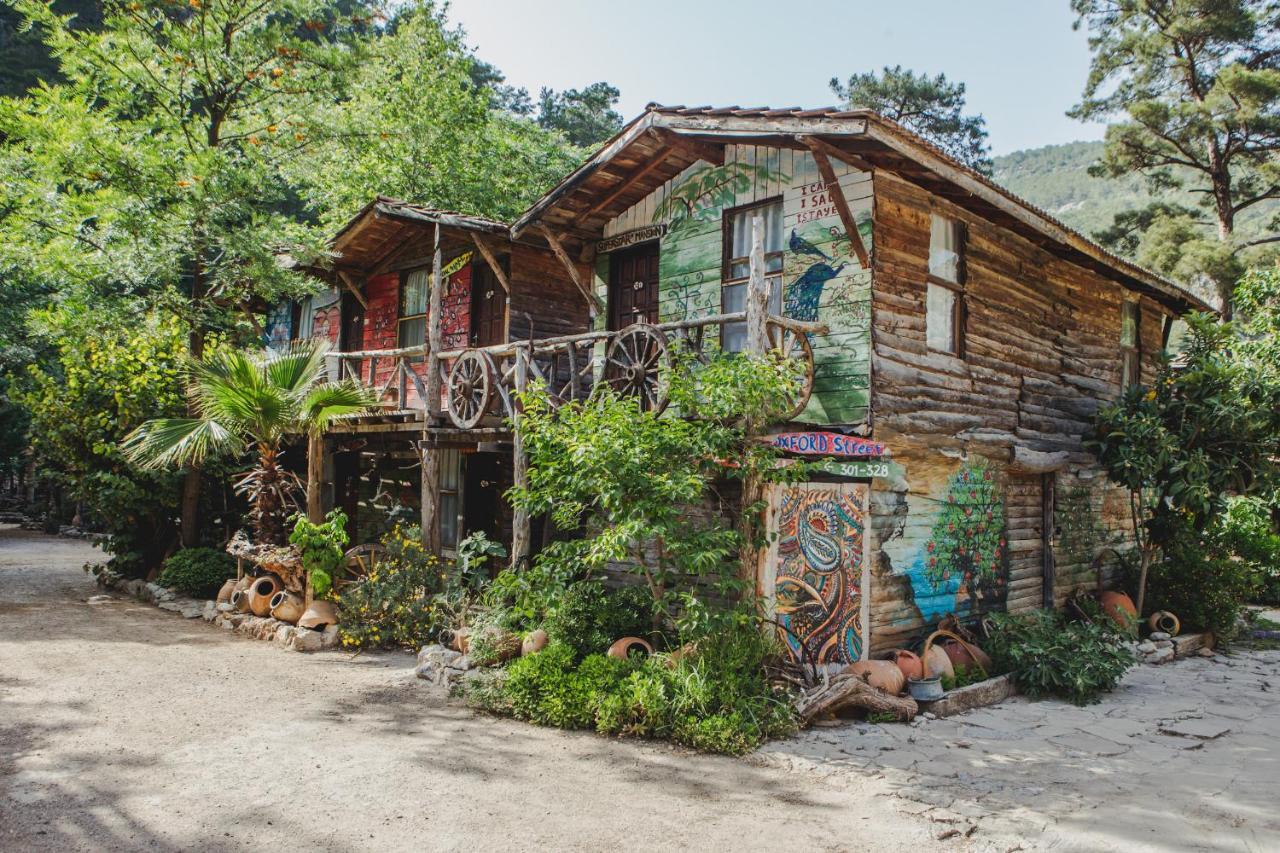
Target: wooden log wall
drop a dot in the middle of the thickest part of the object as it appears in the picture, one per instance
(542, 292)
(1042, 353)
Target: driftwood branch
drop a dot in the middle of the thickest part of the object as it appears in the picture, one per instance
(280, 560)
(848, 690)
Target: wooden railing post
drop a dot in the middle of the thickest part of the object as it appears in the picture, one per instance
(520, 532)
(435, 337)
(757, 292)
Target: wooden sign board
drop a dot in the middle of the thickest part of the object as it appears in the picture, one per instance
(631, 238)
(826, 444)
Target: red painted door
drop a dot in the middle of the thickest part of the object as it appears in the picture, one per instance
(633, 286)
(488, 308)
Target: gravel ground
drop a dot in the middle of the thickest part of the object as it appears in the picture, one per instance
(123, 727)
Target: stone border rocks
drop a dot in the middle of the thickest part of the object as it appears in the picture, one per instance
(441, 666)
(284, 635)
(1160, 648)
(992, 691)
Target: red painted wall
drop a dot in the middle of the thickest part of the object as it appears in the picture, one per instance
(380, 332)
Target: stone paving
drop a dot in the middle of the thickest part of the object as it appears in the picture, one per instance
(1184, 756)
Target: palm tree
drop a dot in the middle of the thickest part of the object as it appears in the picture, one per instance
(246, 398)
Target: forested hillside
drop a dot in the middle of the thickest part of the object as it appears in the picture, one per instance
(1056, 178)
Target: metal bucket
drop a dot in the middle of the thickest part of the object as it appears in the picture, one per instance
(926, 689)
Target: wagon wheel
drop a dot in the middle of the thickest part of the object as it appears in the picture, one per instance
(361, 561)
(471, 388)
(638, 364)
(792, 344)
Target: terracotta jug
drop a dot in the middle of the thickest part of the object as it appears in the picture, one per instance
(224, 594)
(936, 662)
(881, 674)
(1119, 607)
(1163, 620)
(260, 595)
(621, 648)
(287, 607)
(909, 663)
(534, 642)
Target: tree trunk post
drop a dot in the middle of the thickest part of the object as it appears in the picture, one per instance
(435, 337)
(430, 520)
(757, 292)
(315, 478)
(520, 532)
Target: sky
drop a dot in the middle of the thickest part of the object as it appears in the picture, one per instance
(1020, 60)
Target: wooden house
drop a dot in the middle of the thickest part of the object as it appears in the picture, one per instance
(959, 340)
(406, 285)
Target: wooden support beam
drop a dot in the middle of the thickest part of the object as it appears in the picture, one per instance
(346, 279)
(713, 154)
(842, 206)
(659, 157)
(520, 526)
(430, 519)
(757, 291)
(492, 261)
(574, 274)
(835, 153)
(435, 336)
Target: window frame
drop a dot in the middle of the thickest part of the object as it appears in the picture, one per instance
(727, 260)
(959, 304)
(401, 317)
(1131, 354)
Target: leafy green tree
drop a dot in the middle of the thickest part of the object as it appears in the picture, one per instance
(585, 116)
(106, 376)
(1196, 84)
(632, 481)
(155, 167)
(968, 540)
(932, 107)
(245, 400)
(417, 126)
(1208, 429)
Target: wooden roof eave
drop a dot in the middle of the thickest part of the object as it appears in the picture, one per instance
(1029, 223)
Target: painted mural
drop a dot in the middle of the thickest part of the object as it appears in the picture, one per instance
(823, 280)
(278, 329)
(962, 565)
(817, 566)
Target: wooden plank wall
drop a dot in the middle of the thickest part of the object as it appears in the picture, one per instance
(543, 296)
(1042, 355)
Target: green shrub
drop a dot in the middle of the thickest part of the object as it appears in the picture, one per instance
(399, 604)
(197, 572)
(590, 617)
(1050, 656)
(321, 547)
(716, 699)
(1249, 533)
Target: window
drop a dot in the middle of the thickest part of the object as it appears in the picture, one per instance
(1130, 346)
(737, 266)
(450, 497)
(944, 297)
(414, 288)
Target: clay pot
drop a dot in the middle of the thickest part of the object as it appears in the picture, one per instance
(287, 607)
(936, 662)
(909, 663)
(461, 639)
(967, 656)
(1163, 620)
(621, 648)
(534, 642)
(1119, 607)
(240, 600)
(318, 615)
(224, 594)
(881, 674)
(260, 594)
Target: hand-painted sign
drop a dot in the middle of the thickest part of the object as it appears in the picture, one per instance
(827, 444)
(630, 238)
(862, 469)
(456, 264)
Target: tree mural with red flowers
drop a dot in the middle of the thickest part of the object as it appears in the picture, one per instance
(969, 538)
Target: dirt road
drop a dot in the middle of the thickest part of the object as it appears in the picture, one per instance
(123, 727)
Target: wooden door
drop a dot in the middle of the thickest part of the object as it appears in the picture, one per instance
(812, 576)
(633, 286)
(488, 308)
